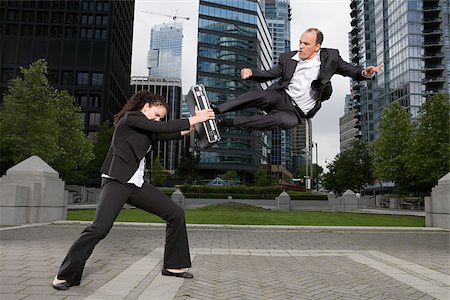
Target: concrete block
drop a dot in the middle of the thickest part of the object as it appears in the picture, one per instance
(437, 207)
(178, 198)
(36, 187)
(13, 195)
(284, 202)
(347, 202)
(13, 215)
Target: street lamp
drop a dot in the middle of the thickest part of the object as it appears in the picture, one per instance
(269, 169)
(317, 167)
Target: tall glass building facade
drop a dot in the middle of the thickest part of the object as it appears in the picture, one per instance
(278, 17)
(436, 29)
(232, 34)
(388, 32)
(166, 44)
(87, 45)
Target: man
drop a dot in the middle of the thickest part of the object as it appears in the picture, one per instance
(304, 83)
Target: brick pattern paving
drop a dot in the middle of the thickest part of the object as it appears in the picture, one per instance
(30, 257)
(315, 277)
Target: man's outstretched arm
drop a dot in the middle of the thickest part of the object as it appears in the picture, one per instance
(370, 71)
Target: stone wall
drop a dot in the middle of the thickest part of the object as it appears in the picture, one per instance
(437, 207)
(32, 192)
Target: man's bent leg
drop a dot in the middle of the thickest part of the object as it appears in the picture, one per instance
(273, 120)
(264, 100)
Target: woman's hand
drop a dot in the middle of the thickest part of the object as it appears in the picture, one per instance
(185, 132)
(202, 116)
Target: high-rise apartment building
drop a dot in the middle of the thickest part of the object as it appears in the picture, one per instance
(232, 35)
(278, 17)
(87, 45)
(170, 89)
(387, 32)
(436, 46)
(164, 56)
(348, 124)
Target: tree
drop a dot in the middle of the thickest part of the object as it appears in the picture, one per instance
(187, 167)
(391, 147)
(37, 119)
(429, 149)
(101, 147)
(261, 178)
(157, 173)
(351, 169)
(230, 175)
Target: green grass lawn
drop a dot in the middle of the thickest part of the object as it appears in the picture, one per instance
(240, 214)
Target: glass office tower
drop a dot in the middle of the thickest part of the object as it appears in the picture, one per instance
(278, 17)
(232, 34)
(388, 32)
(436, 46)
(87, 45)
(166, 44)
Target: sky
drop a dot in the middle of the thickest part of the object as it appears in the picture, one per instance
(332, 17)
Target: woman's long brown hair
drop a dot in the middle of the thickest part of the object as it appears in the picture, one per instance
(137, 102)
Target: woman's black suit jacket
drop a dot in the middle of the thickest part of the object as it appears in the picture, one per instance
(330, 63)
(131, 140)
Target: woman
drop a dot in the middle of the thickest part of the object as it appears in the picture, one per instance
(137, 127)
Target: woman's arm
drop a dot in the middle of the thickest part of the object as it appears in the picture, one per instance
(139, 121)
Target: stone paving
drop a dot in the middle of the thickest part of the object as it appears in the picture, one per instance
(233, 262)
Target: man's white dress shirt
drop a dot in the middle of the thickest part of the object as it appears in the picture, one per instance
(299, 88)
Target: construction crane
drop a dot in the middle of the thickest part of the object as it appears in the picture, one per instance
(170, 16)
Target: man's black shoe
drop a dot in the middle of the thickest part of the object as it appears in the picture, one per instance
(215, 109)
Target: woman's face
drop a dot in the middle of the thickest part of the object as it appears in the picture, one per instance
(155, 112)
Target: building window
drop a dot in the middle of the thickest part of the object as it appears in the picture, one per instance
(67, 77)
(97, 78)
(53, 76)
(81, 100)
(82, 78)
(95, 101)
(94, 119)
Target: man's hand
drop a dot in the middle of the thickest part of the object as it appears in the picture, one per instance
(246, 73)
(370, 71)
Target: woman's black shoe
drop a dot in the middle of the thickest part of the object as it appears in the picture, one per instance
(61, 286)
(187, 275)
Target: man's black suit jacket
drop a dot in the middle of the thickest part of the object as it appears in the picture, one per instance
(330, 63)
(133, 136)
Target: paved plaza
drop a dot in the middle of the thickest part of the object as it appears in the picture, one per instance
(233, 262)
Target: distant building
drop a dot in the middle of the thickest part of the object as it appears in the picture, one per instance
(348, 125)
(164, 56)
(232, 35)
(87, 45)
(388, 32)
(278, 17)
(436, 46)
(170, 89)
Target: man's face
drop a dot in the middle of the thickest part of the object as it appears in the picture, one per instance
(308, 46)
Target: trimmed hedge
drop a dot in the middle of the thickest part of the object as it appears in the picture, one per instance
(240, 192)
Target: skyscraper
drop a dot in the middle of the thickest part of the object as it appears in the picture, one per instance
(166, 44)
(388, 32)
(87, 45)
(278, 17)
(232, 35)
(436, 46)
